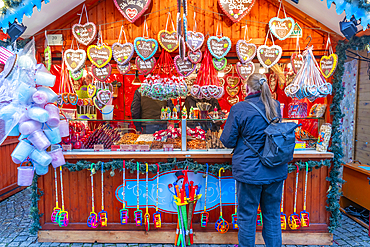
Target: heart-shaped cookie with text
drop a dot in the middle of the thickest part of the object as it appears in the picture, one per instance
(65, 98)
(219, 64)
(233, 100)
(328, 64)
(219, 47)
(232, 91)
(101, 74)
(268, 56)
(195, 40)
(73, 98)
(76, 75)
(132, 10)
(195, 56)
(245, 51)
(104, 96)
(232, 81)
(47, 56)
(297, 62)
(91, 90)
(145, 66)
(84, 34)
(97, 103)
(122, 53)
(60, 100)
(99, 55)
(183, 67)
(281, 28)
(74, 59)
(235, 9)
(145, 48)
(245, 70)
(123, 69)
(168, 40)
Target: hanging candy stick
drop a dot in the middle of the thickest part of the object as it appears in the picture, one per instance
(103, 215)
(204, 215)
(92, 220)
(305, 216)
(182, 228)
(56, 209)
(147, 215)
(234, 216)
(293, 220)
(123, 212)
(138, 213)
(259, 216)
(157, 216)
(63, 218)
(282, 215)
(222, 226)
(195, 197)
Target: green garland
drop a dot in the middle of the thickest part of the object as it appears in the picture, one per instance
(131, 165)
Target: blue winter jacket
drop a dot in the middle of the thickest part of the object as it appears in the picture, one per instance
(246, 166)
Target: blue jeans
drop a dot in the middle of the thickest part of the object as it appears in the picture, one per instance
(269, 197)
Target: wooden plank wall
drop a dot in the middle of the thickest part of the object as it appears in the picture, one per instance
(8, 170)
(77, 196)
(104, 11)
(362, 137)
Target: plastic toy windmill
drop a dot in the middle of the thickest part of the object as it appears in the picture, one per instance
(222, 226)
(56, 209)
(92, 220)
(305, 216)
(259, 216)
(147, 215)
(123, 212)
(234, 216)
(102, 215)
(138, 213)
(293, 220)
(282, 215)
(157, 216)
(205, 215)
(63, 218)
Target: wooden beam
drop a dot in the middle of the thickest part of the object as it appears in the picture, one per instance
(168, 237)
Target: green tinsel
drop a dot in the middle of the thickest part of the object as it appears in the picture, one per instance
(131, 166)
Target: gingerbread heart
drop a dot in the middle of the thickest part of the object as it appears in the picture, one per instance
(268, 56)
(132, 10)
(194, 40)
(101, 74)
(183, 67)
(245, 51)
(99, 55)
(124, 69)
(297, 62)
(122, 53)
(76, 75)
(232, 91)
(281, 28)
(168, 40)
(221, 93)
(104, 95)
(145, 67)
(328, 64)
(194, 91)
(233, 100)
(73, 98)
(219, 47)
(204, 92)
(213, 90)
(195, 56)
(47, 56)
(232, 81)
(74, 59)
(145, 48)
(91, 90)
(219, 64)
(235, 9)
(97, 103)
(84, 34)
(245, 70)
(65, 98)
(60, 100)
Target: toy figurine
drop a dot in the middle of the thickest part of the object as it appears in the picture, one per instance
(184, 114)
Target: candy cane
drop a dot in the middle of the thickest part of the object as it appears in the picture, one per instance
(123, 212)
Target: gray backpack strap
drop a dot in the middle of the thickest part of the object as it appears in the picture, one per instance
(259, 111)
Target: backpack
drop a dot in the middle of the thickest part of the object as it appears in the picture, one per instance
(279, 143)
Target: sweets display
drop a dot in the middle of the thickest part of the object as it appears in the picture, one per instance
(324, 138)
(105, 135)
(128, 138)
(213, 140)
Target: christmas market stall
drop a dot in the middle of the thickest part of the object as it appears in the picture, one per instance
(127, 101)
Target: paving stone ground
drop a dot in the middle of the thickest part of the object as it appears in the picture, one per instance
(15, 221)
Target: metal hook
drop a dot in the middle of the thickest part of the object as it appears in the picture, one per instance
(308, 37)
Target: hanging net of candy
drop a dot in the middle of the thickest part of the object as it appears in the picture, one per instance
(207, 84)
(163, 84)
(309, 82)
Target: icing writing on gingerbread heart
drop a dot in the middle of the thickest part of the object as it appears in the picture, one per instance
(245, 51)
(99, 55)
(132, 10)
(145, 48)
(145, 67)
(236, 9)
(123, 69)
(168, 40)
(102, 74)
(232, 91)
(84, 34)
(195, 40)
(268, 56)
(233, 100)
(195, 56)
(183, 67)
(74, 59)
(245, 70)
(219, 47)
(122, 53)
(232, 81)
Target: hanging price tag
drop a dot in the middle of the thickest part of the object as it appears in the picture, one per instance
(126, 147)
(115, 148)
(98, 147)
(143, 148)
(167, 147)
(67, 147)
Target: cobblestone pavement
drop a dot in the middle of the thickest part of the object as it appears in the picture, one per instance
(14, 225)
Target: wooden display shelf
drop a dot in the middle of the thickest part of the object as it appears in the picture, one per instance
(213, 154)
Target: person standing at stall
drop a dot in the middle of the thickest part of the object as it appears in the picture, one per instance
(257, 184)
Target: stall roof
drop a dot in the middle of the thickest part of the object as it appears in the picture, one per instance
(50, 12)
